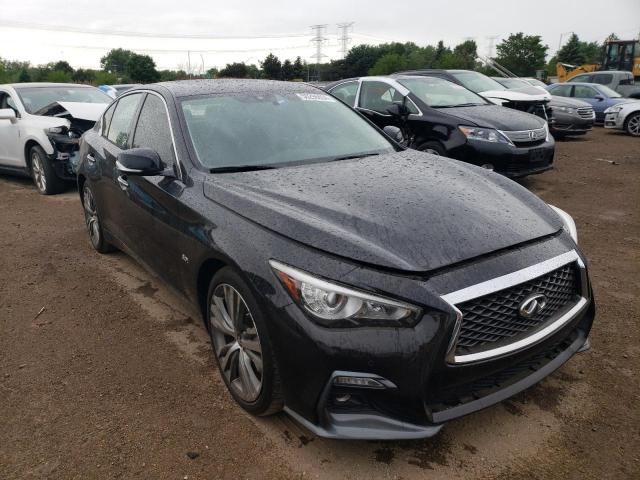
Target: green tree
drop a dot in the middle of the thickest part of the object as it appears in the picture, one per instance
(59, 76)
(522, 54)
(212, 73)
(105, 78)
(24, 76)
(572, 51)
(387, 64)
(466, 54)
(117, 61)
(62, 66)
(84, 76)
(234, 70)
(287, 70)
(271, 67)
(299, 69)
(142, 69)
(361, 59)
(592, 52)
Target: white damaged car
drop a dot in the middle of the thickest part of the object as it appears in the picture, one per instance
(40, 127)
(624, 116)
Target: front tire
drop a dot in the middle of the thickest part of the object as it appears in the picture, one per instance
(632, 125)
(42, 172)
(434, 148)
(240, 342)
(92, 220)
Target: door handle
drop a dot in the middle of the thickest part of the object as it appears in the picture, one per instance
(91, 158)
(122, 180)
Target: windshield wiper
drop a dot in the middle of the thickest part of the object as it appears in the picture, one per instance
(240, 168)
(351, 157)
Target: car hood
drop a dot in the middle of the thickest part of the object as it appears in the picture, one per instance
(558, 101)
(78, 110)
(500, 96)
(407, 211)
(494, 116)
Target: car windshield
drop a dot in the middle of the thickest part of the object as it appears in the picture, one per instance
(36, 98)
(440, 93)
(253, 130)
(513, 83)
(607, 92)
(477, 82)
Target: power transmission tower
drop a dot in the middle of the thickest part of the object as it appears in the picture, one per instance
(345, 39)
(319, 40)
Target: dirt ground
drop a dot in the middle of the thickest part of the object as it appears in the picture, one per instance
(105, 374)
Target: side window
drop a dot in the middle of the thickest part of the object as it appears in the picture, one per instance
(106, 120)
(582, 78)
(603, 79)
(7, 102)
(376, 96)
(346, 92)
(153, 129)
(122, 119)
(562, 90)
(583, 91)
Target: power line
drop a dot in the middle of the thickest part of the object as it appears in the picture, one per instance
(123, 33)
(183, 50)
(345, 39)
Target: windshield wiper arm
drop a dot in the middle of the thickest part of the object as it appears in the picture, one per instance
(240, 168)
(357, 155)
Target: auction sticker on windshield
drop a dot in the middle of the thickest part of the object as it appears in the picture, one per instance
(315, 97)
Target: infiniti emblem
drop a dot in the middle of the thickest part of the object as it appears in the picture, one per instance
(532, 305)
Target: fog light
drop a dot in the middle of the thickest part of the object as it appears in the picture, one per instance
(343, 398)
(361, 382)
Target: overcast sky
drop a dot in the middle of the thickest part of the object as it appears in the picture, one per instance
(375, 21)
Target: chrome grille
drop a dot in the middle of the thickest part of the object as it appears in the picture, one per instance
(527, 136)
(495, 317)
(585, 112)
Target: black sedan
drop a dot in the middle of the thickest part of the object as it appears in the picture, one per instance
(370, 291)
(444, 118)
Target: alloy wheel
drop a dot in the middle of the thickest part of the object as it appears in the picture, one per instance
(236, 342)
(432, 151)
(91, 216)
(633, 125)
(38, 172)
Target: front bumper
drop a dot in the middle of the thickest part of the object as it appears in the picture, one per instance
(424, 389)
(614, 120)
(65, 158)
(571, 124)
(509, 160)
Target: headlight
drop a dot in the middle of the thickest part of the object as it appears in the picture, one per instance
(568, 224)
(334, 305)
(614, 109)
(483, 134)
(568, 110)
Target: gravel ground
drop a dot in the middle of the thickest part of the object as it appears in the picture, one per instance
(104, 373)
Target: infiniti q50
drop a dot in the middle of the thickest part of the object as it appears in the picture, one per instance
(368, 290)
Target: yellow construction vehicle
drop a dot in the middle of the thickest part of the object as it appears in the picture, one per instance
(621, 55)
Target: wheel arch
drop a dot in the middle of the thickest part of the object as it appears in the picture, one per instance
(28, 145)
(208, 268)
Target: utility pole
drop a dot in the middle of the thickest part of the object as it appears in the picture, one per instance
(492, 41)
(345, 39)
(319, 40)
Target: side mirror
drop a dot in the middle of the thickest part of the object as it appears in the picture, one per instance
(397, 110)
(599, 98)
(395, 133)
(139, 161)
(8, 114)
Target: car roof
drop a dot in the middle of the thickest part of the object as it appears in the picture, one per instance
(589, 84)
(186, 88)
(47, 84)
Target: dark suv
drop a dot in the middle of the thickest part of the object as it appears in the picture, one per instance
(443, 118)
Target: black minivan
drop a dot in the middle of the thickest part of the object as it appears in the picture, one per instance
(443, 118)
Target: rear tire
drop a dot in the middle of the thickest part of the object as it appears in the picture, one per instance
(42, 172)
(632, 124)
(241, 344)
(434, 148)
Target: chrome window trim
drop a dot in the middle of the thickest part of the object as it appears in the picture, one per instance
(506, 281)
(166, 108)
